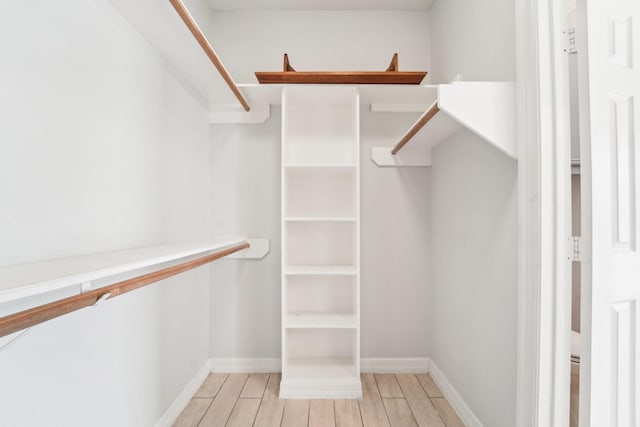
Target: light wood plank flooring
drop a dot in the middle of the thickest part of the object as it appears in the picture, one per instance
(243, 400)
(575, 395)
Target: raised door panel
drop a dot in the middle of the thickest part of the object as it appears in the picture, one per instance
(610, 384)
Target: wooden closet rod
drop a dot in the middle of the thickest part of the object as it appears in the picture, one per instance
(33, 316)
(423, 120)
(179, 6)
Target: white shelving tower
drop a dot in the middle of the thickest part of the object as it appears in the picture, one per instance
(320, 242)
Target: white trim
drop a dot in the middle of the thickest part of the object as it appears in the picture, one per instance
(542, 373)
(321, 389)
(560, 227)
(395, 365)
(369, 365)
(178, 405)
(528, 214)
(453, 397)
(245, 365)
(374, 365)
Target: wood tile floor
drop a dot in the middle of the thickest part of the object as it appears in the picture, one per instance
(575, 396)
(388, 400)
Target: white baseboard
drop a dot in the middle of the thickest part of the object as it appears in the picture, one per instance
(374, 365)
(171, 414)
(394, 365)
(242, 366)
(459, 405)
(321, 389)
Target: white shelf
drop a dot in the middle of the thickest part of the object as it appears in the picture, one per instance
(321, 270)
(486, 108)
(320, 294)
(320, 96)
(320, 242)
(321, 219)
(314, 368)
(398, 98)
(262, 94)
(320, 321)
(24, 280)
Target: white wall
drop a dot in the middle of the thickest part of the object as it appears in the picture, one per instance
(101, 148)
(473, 282)
(318, 40)
(245, 298)
(473, 38)
(395, 211)
(473, 228)
(245, 317)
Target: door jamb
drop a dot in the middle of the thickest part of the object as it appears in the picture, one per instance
(544, 299)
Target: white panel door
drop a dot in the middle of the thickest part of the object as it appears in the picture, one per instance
(610, 122)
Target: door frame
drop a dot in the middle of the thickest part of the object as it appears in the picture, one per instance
(544, 270)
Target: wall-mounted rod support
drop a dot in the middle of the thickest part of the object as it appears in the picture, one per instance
(179, 6)
(423, 120)
(33, 316)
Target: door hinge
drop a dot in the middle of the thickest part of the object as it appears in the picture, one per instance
(575, 248)
(570, 41)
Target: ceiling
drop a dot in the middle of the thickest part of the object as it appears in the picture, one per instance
(321, 4)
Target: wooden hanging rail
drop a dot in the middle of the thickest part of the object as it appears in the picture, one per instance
(391, 76)
(179, 6)
(33, 316)
(422, 121)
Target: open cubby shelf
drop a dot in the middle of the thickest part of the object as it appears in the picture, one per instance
(321, 321)
(321, 243)
(320, 354)
(315, 368)
(320, 192)
(321, 301)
